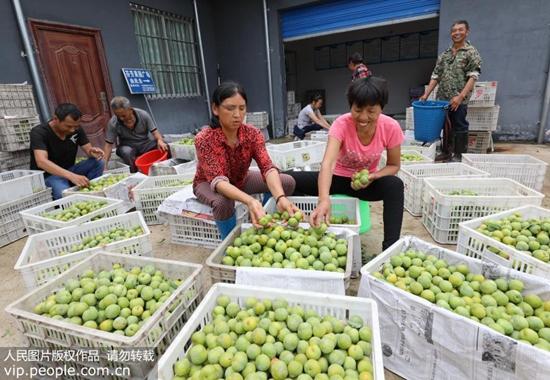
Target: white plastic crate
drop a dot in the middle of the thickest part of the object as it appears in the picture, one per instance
(17, 184)
(433, 93)
(318, 136)
(427, 341)
(296, 154)
(339, 206)
(441, 212)
(155, 333)
(475, 244)
(259, 120)
(76, 190)
(116, 167)
(48, 254)
(331, 117)
(483, 118)
(422, 158)
(182, 151)
(483, 95)
(17, 100)
(227, 273)
(12, 227)
(426, 149)
(166, 167)
(409, 118)
(291, 97)
(150, 193)
(20, 159)
(523, 168)
(480, 142)
(187, 230)
(413, 180)
(15, 132)
(340, 307)
(35, 222)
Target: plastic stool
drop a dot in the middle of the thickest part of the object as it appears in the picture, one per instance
(364, 211)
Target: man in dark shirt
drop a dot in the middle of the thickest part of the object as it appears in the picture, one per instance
(135, 131)
(54, 146)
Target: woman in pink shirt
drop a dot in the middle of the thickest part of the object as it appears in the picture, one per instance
(356, 141)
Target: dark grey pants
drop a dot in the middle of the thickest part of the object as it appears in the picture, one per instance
(129, 153)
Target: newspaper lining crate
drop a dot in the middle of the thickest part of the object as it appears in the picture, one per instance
(413, 180)
(339, 206)
(479, 142)
(258, 119)
(427, 341)
(523, 168)
(442, 212)
(101, 193)
(48, 254)
(198, 232)
(17, 100)
(483, 95)
(296, 154)
(20, 159)
(165, 322)
(35, 222)
(117, 167)
(15, 132)
(17, 184)
(477, 245)
(12, 227)
(225, 273)
(340, 307)
(150, 193)
(483, 118)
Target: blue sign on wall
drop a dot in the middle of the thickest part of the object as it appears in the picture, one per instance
(139, 81)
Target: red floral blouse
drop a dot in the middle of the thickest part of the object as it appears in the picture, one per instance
(217, 161)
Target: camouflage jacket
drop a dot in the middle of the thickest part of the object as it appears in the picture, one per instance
(453, 71)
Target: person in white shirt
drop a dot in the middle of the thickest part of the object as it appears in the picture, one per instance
(310, 118)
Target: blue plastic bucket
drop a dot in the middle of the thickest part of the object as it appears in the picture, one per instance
(429, 119)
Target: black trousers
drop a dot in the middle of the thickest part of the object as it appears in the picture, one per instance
(388, 189)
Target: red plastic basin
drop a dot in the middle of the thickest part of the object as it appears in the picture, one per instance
(144, 162)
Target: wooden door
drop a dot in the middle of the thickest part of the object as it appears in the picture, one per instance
(74, 68)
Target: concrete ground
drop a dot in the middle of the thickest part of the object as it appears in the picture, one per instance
(14, 288)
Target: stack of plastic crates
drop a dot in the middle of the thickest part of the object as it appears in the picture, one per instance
(482, 116)
(17, 116)
(19, 190)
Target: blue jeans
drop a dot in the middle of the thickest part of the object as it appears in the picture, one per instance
(301, 132)
(91, 168)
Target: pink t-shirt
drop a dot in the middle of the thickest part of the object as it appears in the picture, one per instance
(353, 155)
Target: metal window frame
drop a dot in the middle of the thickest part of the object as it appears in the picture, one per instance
(174, 61)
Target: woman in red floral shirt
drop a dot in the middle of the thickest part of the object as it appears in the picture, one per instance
(224, 153)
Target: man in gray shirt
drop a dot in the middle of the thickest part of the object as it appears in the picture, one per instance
(131, 127)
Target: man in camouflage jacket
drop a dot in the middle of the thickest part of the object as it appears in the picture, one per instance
(456, 72)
